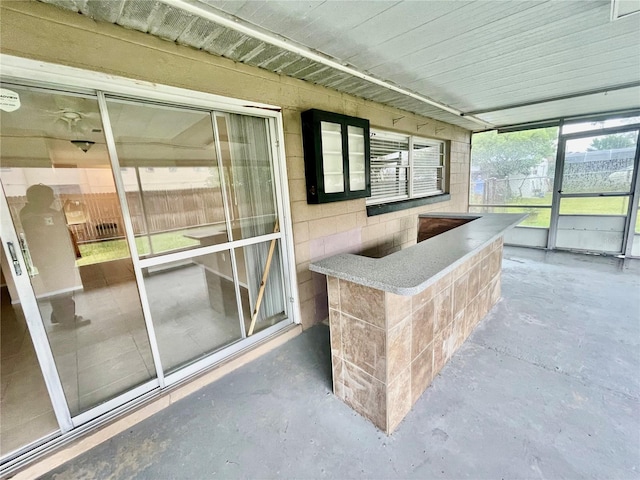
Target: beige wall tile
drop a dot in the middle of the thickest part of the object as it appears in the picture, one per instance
(364, 346)
(473, 287)
(422, 328)
(337, 376)
(335, 332)
(398, 350)
(421, 299)
(398, 307)
(458, 330)
(443, 303)
(333, 292)
(365, 395)
(459, 294)
(483, 303)
(495, 262)
(494, 291)
(362, 302)
(470, 317)
(399, 399)
(421, 373)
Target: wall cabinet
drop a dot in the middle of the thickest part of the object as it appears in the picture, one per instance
(336, 156)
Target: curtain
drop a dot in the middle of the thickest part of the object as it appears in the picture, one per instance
(254, 204)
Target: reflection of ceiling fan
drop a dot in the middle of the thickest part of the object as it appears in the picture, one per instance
(72, 121)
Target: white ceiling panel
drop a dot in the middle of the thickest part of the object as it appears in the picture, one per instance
(469, 57)
(616, 100)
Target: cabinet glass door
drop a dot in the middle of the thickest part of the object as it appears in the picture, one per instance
(332, 168)
(356, 158)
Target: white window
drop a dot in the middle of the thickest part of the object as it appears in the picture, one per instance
(404, 167)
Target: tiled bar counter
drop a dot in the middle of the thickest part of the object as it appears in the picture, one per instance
(395, 321)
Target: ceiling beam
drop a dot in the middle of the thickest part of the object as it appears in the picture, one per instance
(239, 25)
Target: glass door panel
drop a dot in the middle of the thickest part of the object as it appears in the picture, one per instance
(61, 193)
(193, 306)
(247, 164)
(597, 164)
(26, 413)
(170, 167)
(170, 172)
(593, 198)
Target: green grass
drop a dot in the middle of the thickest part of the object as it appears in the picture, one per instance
(104, 251)
(98, 252)
(541, 217)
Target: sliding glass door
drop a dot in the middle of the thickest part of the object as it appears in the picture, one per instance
(61, 197)
(144, 243)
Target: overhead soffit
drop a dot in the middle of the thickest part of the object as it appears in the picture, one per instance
(472, 56)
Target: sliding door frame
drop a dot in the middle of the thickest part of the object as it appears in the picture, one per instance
(558, 195)
(60, 78)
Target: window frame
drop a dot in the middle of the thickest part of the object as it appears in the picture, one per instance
(411, 169)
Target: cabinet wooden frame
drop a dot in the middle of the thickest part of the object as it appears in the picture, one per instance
(314, 160)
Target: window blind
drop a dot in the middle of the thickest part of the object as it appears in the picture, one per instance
(428, 161)
(389, 167)
(404, 167)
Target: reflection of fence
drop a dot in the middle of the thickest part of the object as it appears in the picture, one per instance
(97, 216)
(598, 176)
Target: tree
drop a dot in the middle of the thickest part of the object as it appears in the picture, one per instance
(609, 142)
(500, 155)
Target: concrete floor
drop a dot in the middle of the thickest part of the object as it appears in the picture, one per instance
(548, 386)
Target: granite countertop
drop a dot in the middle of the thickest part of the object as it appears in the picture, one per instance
(410, 271)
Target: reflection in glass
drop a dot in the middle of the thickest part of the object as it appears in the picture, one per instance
(602, 163)
(248, 170)
(170, 173)
(66, 212)
(26, 414)
(193, 306)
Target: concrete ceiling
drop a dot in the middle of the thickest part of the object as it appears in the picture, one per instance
(475, 64)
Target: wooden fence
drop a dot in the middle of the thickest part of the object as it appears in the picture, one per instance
(97, 216)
